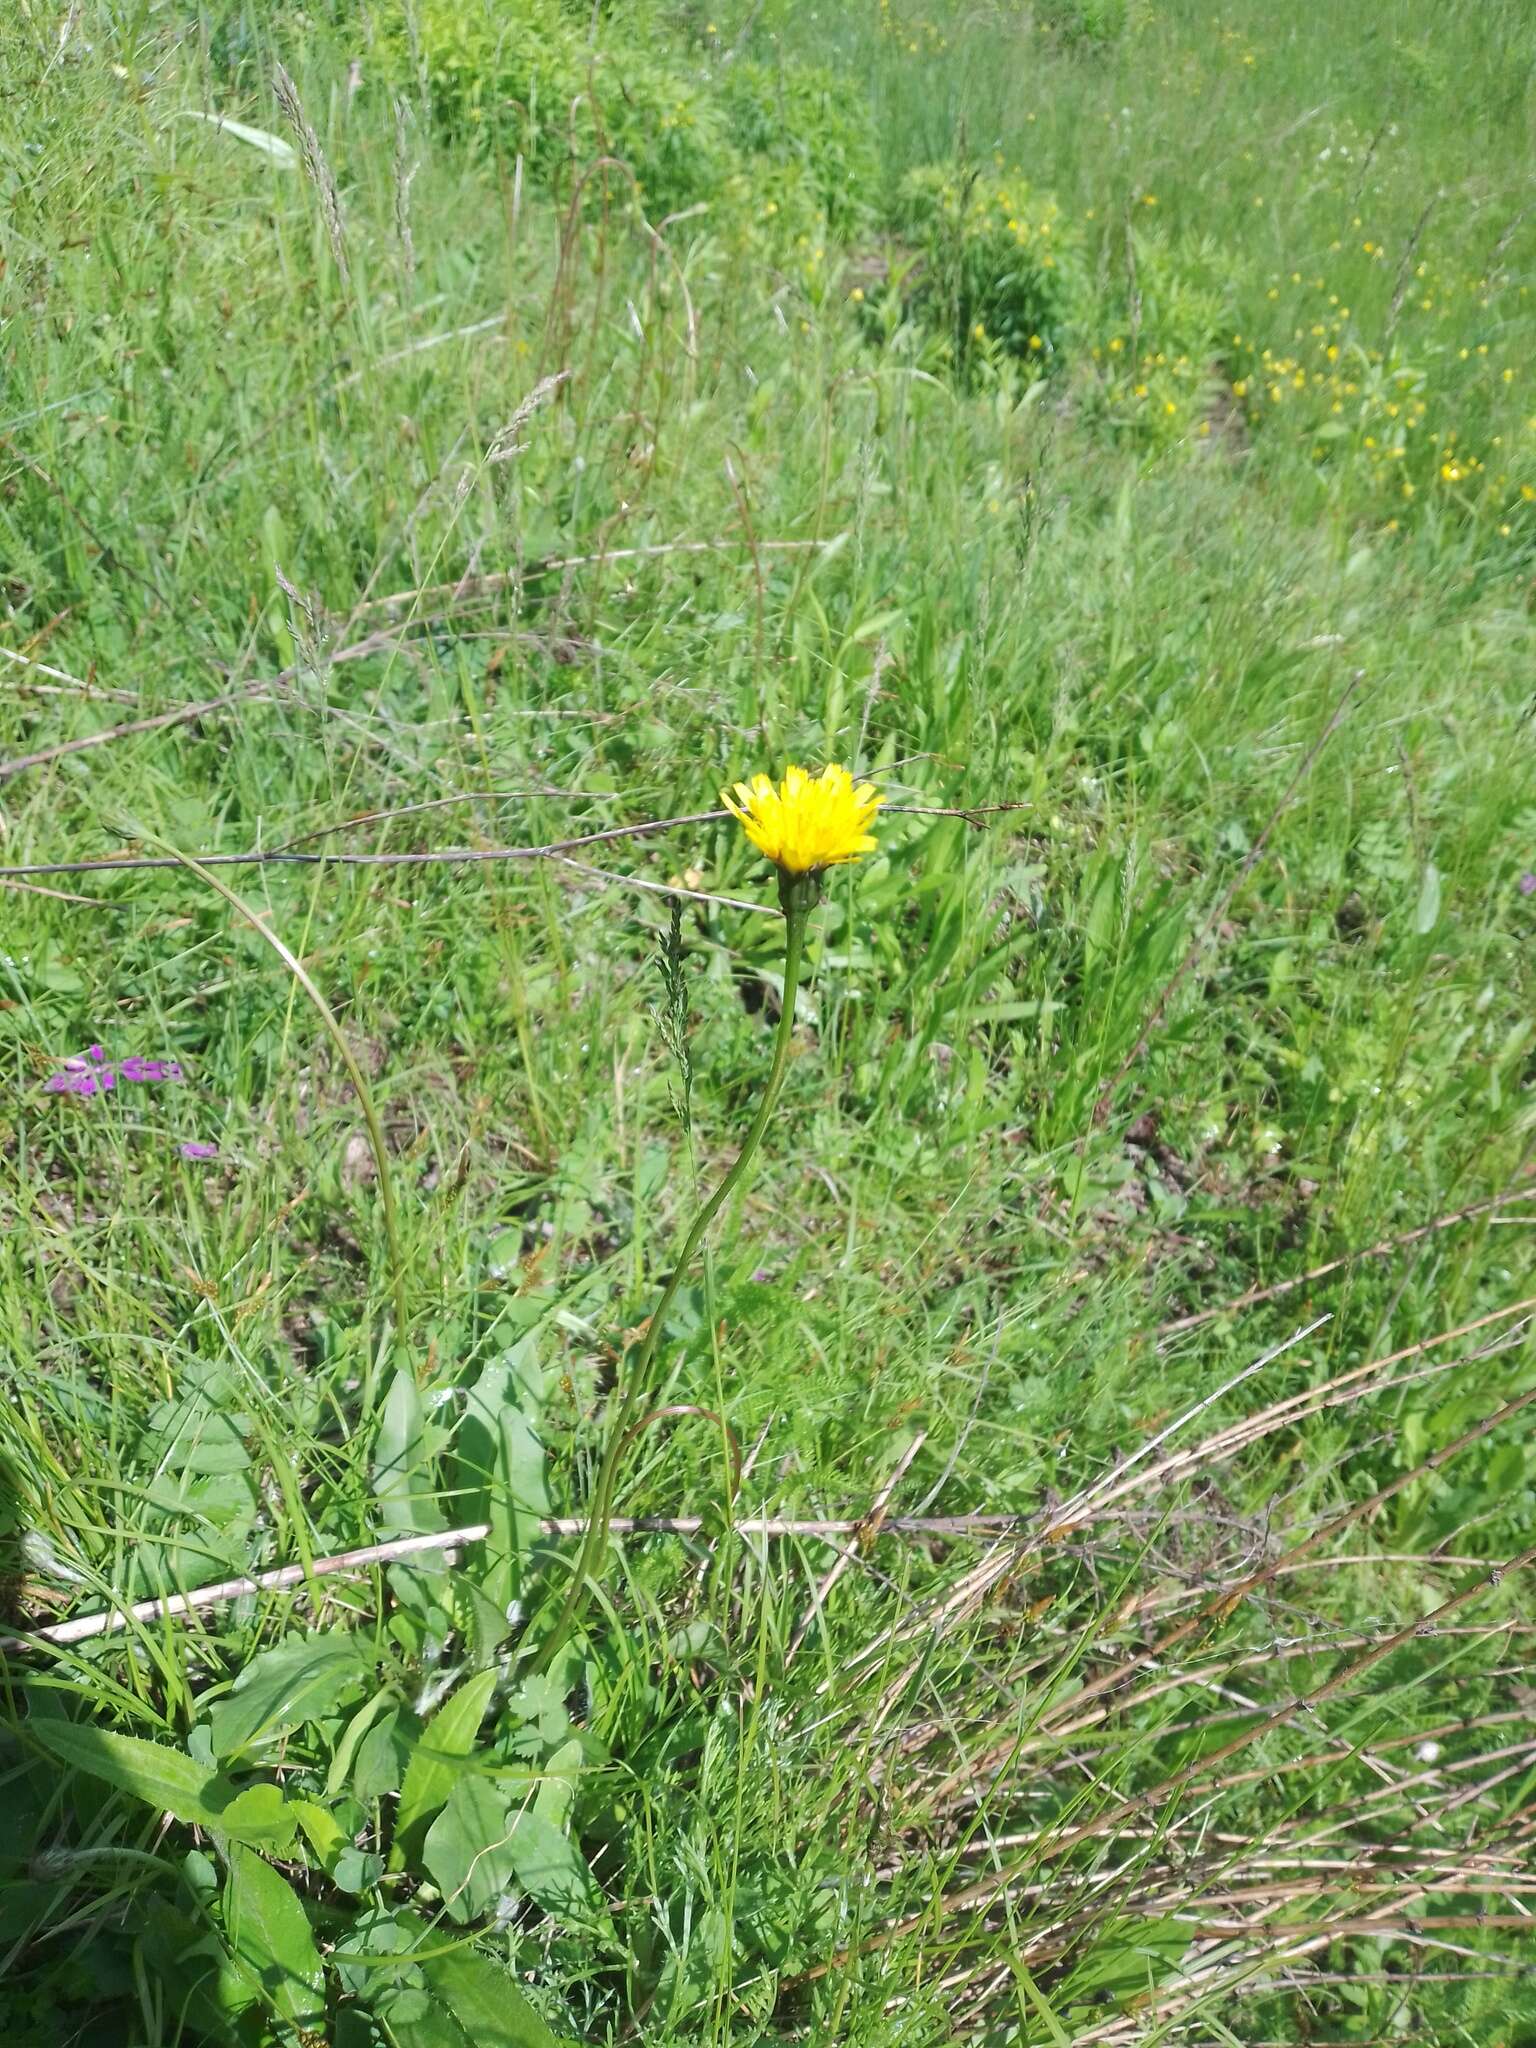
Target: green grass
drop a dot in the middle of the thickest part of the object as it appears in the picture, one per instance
(1238, 991)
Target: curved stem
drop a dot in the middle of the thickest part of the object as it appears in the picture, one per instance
(798, 894)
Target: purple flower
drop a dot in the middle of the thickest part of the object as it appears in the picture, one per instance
(79, 1077)
(196, 1149)
(70, 1084)
(1528, 885)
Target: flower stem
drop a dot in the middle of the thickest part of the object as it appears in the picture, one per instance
(798, 894)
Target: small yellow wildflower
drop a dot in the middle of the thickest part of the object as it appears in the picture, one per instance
(809, 822)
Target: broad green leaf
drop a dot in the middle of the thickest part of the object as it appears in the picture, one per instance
(270, 1934)
(380, 1760)
(168, 1780)
(487, 2002)
(1131, 1960)
(467, 1852)
(402, 1462)
(551, 1871)
(557, 1794)
(1101, 889)
(211, 1989)
(283, 1688)
(352, 1735)
(164, 1778)
(416, 2020)
(501, 1477)
(321, 1828)
(435, 1763)
(262, 1816)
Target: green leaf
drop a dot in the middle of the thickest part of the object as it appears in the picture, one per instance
(164, 1778)
(1101, 893)
(262, 1816)
(557, 1794)
(501, 1478)
(380, 1760)
(486, 2001)
(212, 1990)
(402, 1462)
(270, 1934)
(551, 1871)
(416, 2021)
(283, 1688)
(1427, 915)
(436, 1761)
(321, 1828)
(1131, 1962)
(168, 1780)
(468, 1851)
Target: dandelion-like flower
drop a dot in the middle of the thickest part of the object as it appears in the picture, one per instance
(806, 822)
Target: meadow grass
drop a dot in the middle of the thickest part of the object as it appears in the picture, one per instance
(491, 507)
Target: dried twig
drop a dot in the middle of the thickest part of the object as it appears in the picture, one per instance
(475, 586)
(68, 685)
(1380, 1250)
(286, 1577)
(450, 856)
(869, 1526)
(183, 714)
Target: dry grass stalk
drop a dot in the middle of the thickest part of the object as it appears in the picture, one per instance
(316, 168)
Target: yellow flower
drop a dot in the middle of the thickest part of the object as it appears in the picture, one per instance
(809, 822)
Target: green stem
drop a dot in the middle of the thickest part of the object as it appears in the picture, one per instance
(798, 894)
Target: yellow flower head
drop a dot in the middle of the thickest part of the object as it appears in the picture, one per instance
(809, 822)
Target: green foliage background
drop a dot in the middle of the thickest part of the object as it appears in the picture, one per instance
(596, 404)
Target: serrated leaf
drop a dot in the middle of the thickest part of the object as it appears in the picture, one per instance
(487, 2003)
(270, 1934)
(435, 1763)
(168, 1780)
(283, 1688)
(467, 1852)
